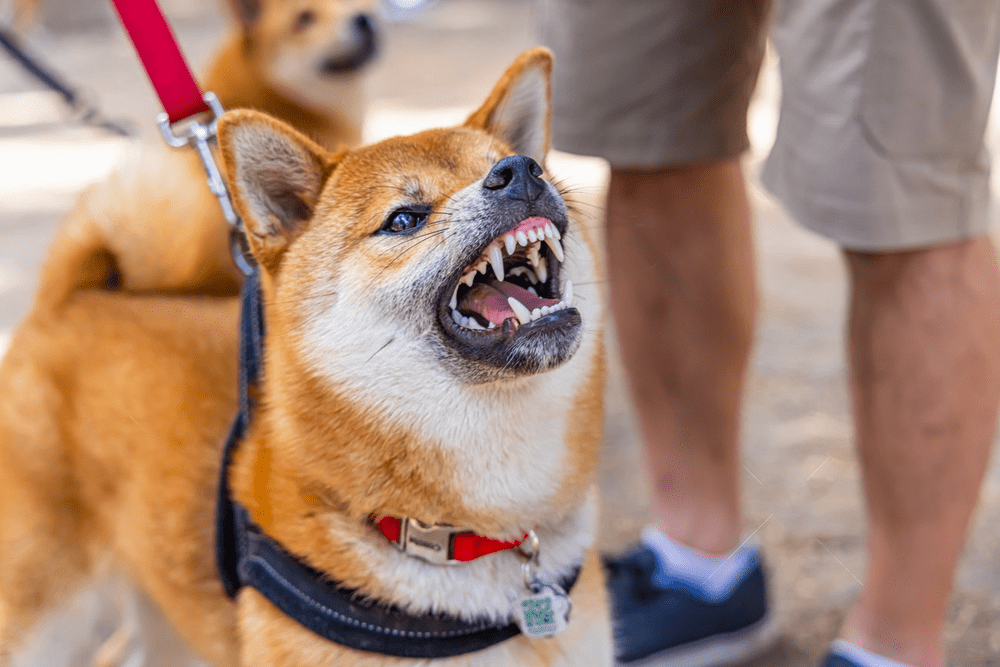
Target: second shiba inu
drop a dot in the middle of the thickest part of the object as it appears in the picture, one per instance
(418, 464)
(303, 61)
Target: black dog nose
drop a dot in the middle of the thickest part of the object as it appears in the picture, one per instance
(364, 25)
(517, 177)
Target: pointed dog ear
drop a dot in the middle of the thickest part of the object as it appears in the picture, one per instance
(517, 111)
(275, 177)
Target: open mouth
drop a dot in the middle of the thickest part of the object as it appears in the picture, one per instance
(513, 280)
(511, 296)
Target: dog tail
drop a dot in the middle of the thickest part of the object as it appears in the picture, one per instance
(151, 227)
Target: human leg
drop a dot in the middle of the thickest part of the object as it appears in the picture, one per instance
(880, 148)
(682, 287)
(924, 339)
(661, 91)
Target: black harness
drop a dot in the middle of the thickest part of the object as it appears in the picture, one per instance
(247, 557)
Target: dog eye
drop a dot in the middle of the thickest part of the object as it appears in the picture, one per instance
(405, 220)
(304, 20)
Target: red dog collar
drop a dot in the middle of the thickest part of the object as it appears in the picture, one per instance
(439, 543)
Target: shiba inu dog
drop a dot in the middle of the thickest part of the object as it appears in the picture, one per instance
(432, 363)
(303, 61)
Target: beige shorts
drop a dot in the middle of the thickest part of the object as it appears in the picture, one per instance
(884, 106)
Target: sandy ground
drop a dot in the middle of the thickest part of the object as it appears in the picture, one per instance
(801, 479)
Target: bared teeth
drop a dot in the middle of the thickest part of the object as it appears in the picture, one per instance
(555, 246)
(496, 261)
(454, 299)
(520, 310)
(543, 269)
(532, 236)
(522, 238)
(468, 278)
(510, 243)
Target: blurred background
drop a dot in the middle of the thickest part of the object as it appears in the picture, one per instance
(438, 61)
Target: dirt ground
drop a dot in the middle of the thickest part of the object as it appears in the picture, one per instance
(801, 479)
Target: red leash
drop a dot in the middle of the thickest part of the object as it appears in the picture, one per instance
(182, 98)
(157, 48)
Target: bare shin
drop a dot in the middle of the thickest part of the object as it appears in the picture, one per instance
(683, 293)
(925, 378)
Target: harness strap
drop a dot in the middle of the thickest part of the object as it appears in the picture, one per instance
(346, 618)
(227, 551)
(168, 72)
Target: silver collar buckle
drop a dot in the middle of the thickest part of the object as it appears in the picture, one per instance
(434, 543)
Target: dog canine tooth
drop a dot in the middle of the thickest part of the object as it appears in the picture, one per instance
(522, 239)
(510, 243)
(454, 298)
(496, 261)
(556, 247)
(520, 310)
(568, 293)
(542, 269)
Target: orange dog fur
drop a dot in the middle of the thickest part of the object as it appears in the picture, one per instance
(115, 404)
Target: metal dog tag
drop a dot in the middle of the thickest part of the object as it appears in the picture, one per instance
(543, 611)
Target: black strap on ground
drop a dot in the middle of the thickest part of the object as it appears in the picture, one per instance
(89, 114)
(248, 557)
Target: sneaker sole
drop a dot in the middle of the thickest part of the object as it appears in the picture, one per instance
(716, 651)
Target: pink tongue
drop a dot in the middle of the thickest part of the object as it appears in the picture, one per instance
(490, 301)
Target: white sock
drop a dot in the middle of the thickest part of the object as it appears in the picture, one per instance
(863, 658)
(711, 577)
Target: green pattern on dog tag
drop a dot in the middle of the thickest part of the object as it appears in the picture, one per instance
(543, 613)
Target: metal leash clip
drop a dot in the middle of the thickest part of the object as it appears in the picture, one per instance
(200, 135)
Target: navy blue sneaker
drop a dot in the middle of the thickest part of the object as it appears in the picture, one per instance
(680, 624)
(845, 654)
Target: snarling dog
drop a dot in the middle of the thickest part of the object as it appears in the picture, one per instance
(303, 61)
(411, 479)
